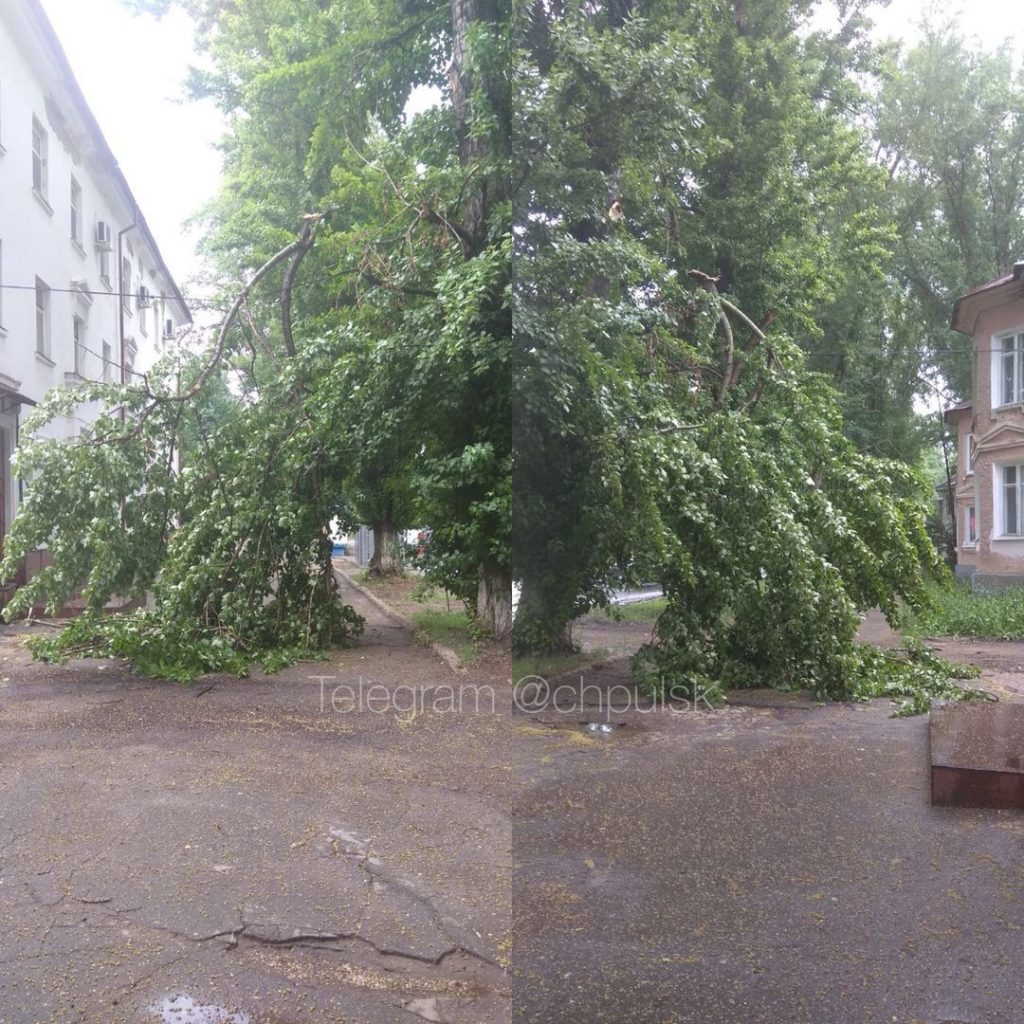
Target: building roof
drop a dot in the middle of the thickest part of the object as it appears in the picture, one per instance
(954, 410)
(106, 155)
(958, 320)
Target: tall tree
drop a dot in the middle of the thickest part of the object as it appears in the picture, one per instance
(366, 358)
(950, 127)
(677, 239)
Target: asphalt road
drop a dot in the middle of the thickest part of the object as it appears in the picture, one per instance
(254, 852)
(757, 865)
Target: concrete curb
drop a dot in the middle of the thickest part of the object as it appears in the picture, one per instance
(446, 654)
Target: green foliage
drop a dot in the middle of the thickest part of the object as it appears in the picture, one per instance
(406, 295)
(960, 611)
(163, 650)
(913, 682)
(663, 434)
(950, 127)
(214, 504)
(373, 383)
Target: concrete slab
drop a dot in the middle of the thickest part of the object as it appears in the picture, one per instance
(977, 754)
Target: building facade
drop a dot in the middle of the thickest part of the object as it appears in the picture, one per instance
(84, 291)
(990, 434)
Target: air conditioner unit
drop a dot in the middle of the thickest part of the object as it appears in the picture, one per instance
(103, 240)
(143, 296)
(168, 330)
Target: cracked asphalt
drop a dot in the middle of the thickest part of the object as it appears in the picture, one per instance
(253, 851)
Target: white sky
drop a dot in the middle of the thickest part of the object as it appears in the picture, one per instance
(991, 22)
(131, 69)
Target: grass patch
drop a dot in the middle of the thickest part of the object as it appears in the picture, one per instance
(452, 629)
(548, 665)
(638, 611)
(960, 611)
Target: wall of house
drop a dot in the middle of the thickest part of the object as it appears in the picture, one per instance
(37, 243)
(998, 441)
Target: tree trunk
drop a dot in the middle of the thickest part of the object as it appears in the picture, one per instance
(536, 630)
(494, 602)
(387, 550)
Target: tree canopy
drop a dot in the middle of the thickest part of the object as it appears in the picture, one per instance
(598, 293)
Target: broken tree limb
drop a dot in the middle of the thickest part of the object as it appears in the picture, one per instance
(222, 334)
(710, 284)
(303, 245)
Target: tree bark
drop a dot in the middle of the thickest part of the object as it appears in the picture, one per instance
(534, 631)
(387, 550)
(494, 602)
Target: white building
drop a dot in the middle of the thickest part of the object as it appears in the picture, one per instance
(84, 292)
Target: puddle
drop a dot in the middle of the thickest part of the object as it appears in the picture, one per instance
(425, 1008)
(185, 1010)
(598, 728)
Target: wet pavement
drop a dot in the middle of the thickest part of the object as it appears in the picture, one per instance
(756, 865)
(252, 851)
(259, 852)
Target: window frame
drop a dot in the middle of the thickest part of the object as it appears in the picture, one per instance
(126, 284)
(76, 213)
(40, 159)
(970, 518)
(78, 341)
(1017, 488)
(43, 296)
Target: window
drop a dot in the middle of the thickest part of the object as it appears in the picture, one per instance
(970, 527)
(1011, 354)
(40, 160)
(126, 284)
(42, 319)
(107, 365)
(129, 363)
(1, 285)
(105, 265)
(142, 302)
(76, 212)
(968, 455)
(78, 333)
(1013, 481)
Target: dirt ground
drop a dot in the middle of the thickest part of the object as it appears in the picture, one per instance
(254, 851)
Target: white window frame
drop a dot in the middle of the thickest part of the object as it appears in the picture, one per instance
(126, 284)
(108, 362)
(78, 340)
(968, 454)
(131, 352)
(43, 303)
(1001, 356)
(76, 212)
(40, 159)
(970, 539)
(1003, 489)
